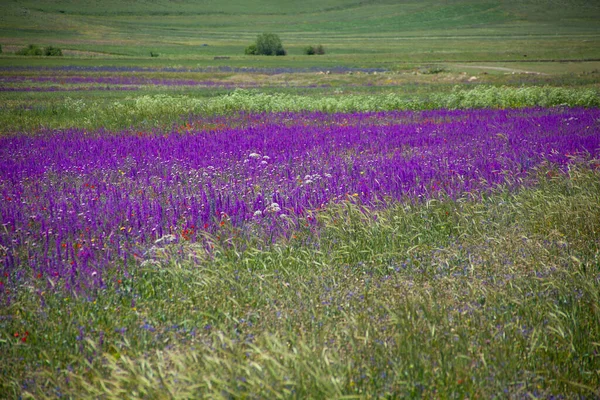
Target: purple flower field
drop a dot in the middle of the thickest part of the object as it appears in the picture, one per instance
(76, 204)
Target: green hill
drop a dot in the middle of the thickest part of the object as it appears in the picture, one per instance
(424, 30)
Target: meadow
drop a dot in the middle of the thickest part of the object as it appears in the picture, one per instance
(414, 214)
(441, 253)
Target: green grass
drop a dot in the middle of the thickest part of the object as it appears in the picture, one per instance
(493, 296)
(385, 31)
(164, 110)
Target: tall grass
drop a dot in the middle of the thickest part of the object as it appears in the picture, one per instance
(162, 110)
(495, 296)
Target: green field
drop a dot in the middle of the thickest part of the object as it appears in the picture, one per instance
(379, 32)
(481, 294)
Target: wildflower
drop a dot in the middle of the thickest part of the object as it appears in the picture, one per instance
(254, 155)
(273, 208)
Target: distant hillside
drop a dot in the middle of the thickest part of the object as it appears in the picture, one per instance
(180, 28)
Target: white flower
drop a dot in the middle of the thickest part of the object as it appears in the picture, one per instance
(257, 214)
(254, 155)
(274, 208)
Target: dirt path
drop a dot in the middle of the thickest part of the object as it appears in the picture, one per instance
(517, 71)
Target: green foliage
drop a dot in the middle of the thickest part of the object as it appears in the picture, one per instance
(312, 50)
(154, 54)
(163, 110)
(269, 44)
(440, 299)
(31, 50)
(53, 51)
(0, 49)
(251, 50)
(309, 50)
(34, 50)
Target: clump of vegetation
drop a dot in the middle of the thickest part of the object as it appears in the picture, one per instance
(267, 44)
(251, 50)
(0, 49)
(432, 70)
(31, 50)
(52, 51)
(312, 50)
(154, 54)
(34, 50)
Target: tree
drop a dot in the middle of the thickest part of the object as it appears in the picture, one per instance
(269, 44)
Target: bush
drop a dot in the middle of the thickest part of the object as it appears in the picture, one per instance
(310, 50)
(0, 49)
(153, 54)
(251, 50)
(267, 44)
(31, 50)
(51, 51)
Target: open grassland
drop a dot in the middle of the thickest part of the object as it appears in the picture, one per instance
(353, 32)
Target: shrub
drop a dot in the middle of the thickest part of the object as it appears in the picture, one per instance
(309, 50)
(31, 50)
(251, 50)
(0, 49)
(153, 54)
(53, 51)
(269, 44)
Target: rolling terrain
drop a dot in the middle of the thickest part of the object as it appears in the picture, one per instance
(353, 32)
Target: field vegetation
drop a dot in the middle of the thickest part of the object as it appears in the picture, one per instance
(354, 32)
(414, 213)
